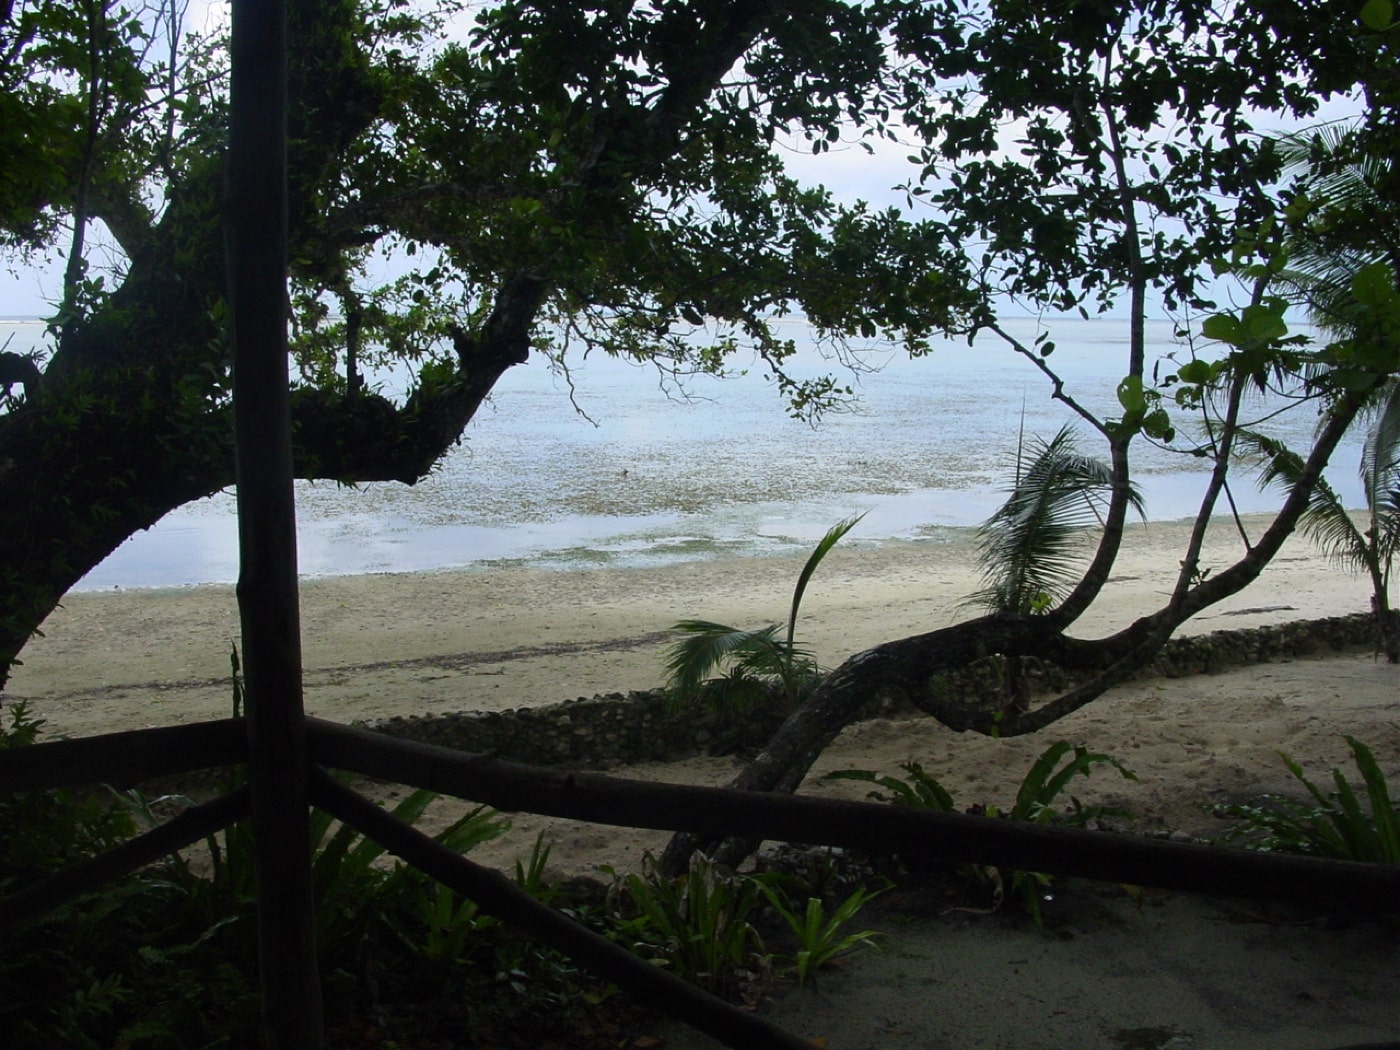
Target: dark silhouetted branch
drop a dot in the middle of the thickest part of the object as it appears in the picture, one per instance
(190, 826)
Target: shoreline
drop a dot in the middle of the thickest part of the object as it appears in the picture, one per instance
(386, 644)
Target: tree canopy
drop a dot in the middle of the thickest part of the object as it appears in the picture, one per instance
(606, 173)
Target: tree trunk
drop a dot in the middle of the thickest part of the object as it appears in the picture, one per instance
(905, 667)
(1387, 626)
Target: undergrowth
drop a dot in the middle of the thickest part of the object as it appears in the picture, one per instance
(1346, 823)
(1043, 797)
(166, 958)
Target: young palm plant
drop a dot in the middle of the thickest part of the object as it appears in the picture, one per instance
(1030, 547)
(736, 667)
(1370, 549)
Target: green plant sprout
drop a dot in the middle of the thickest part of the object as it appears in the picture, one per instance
(819, 936)
(697, 925)
(751, 661)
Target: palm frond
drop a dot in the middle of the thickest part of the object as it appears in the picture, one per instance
(1349, 223)
(774, 658)
(1380, 456)
(1325, 520)
(1387, 525)
(823, 547)
(706, 646)
(748, 662)
(1030, 546)
(1337, 173)
(737, 691)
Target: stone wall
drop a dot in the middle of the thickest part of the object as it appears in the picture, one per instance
(595, 732)
(614, 729)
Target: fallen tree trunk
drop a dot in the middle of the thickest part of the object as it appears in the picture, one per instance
(905, 668)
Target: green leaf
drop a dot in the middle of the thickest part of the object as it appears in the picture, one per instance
(1263, 324)
(832, 537)
(1373, 285)
(1377, 14)
(1221, 327)
(1195, 372)
(1130, 394)
(1158, 424)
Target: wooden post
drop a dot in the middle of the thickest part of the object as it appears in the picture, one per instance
(256, 215)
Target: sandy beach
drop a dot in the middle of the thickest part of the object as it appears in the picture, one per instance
(1105, 972)
(380, 645)
(376, 646)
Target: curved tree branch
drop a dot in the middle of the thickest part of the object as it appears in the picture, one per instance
(905, 667)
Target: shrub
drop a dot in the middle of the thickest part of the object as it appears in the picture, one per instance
(1335, 824)
(1038, 799)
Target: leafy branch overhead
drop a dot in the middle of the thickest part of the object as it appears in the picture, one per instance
(555, 177)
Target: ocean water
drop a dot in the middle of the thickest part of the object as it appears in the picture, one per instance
(616, 466)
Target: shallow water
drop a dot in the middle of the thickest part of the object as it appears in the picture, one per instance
(653, 476)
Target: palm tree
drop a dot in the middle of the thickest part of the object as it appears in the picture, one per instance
(1344, 259)
(753, 661)
(1371, 549)
(1343, 220)
(1030, 547)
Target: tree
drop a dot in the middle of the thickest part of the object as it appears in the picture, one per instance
(607, 174)
(1343, 260)
(756, 662)
(1370, 549)
(1029, 546)
(1084, 157)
